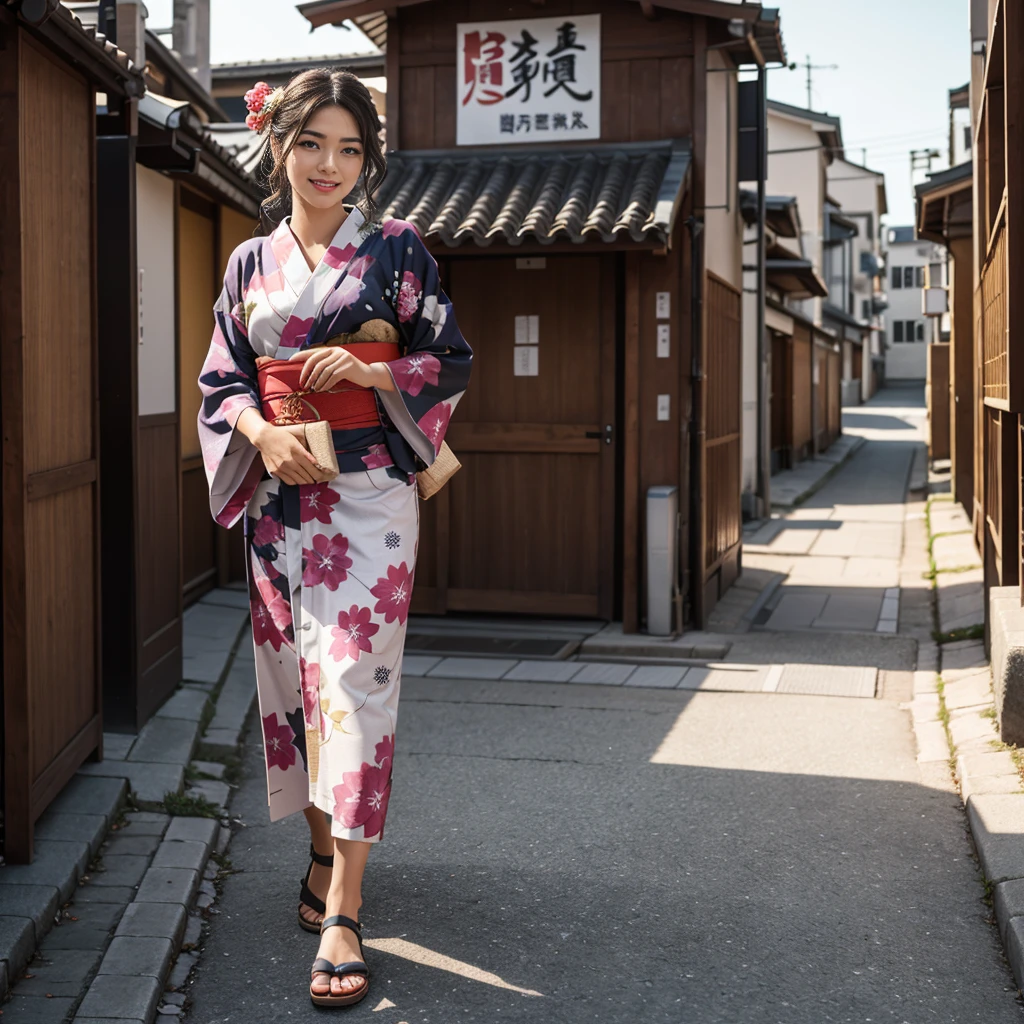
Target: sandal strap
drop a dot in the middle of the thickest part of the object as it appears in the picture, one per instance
(344, 922)
(323, 859)
(311, 900)
(322, 966)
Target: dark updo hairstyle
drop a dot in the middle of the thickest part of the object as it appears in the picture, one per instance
(304, 94)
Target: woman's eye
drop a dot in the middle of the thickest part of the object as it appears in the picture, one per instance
(308, 142)
(351, 151)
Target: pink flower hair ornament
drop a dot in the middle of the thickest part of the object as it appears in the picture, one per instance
(261, 102)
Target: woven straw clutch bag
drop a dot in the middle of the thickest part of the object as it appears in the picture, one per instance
(320, 443)
(430, 480)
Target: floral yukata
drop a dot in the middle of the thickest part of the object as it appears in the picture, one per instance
(331, 565)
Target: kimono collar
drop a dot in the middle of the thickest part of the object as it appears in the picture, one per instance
(289, 256)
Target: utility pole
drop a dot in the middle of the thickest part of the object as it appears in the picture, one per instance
(809, 67)
(921, 159)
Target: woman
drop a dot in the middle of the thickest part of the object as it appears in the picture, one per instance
(330, 564)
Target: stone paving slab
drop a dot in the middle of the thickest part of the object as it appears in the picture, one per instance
(725, 678)
(948, 517)
(168, 885)
(61, 973)
(17, 944)
(123, 869)
(829, 680)
(116, 745)
(658, 676)
(89, 796)
(165, 741)
(37, 1009)
(472, 668)
(541, 671)
(955, 551)
(126, 841)
(227, 598)
(184, 703)
(963, 654)
(110, 997)
(89, 827)
(975, 688)
(418, 664)
(136, 956)
(997, 823)
(86, 925)
(58, 864)
(150, 782)
(153, 920)
(233, 704)
(961, 599)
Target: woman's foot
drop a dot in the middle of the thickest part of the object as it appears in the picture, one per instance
(319, 883)
(339, 945)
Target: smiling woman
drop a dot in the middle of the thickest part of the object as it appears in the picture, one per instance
(357, 308)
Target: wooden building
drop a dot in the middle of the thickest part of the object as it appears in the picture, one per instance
(945, 215)
(51, 70)
(589, 234)
(998, 110)
(178, 203)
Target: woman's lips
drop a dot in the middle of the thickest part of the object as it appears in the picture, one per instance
(324, 186)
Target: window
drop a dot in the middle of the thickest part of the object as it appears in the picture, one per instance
(865, 309)
(920, 329)
(920, 277)
(908, 277)
(897, 330)
(897, 277)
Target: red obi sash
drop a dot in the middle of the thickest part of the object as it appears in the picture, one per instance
(346, 406)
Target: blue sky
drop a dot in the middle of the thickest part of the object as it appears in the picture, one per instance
(897, 60)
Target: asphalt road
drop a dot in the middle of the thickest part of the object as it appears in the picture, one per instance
(570, 853)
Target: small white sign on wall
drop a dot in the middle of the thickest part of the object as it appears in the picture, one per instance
(663, 341)
(663, 406)
(525, 363)
(527, 330)
(662, 305)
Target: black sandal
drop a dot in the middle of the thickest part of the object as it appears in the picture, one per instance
(323, 966)
(307, 896)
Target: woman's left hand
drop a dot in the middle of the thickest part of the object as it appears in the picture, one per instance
(328, 366)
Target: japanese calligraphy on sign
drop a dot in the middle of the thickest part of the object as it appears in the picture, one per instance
(534, 80)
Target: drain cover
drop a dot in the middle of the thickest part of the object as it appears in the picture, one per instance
(498, 646)
(829, 680)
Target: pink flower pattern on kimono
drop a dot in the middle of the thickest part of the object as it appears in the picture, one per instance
(336, 258)
(393, 593)
(412, 373)
(310, 674)
(350, 287)
(352, 634)
(316, 502)
(361, 800)
(277, 743)
(270, 614)
(409, 295)
(394, 226)
(268, 531)
(295, 331)
(327, 562)
(434, 423)
(377, 457)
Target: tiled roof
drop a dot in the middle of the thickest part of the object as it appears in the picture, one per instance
(595, 193)
(86, 37)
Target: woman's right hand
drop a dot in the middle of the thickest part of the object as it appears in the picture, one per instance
(284, 455)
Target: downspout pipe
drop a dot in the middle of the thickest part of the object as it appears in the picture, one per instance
(764, 487)
(697, 430)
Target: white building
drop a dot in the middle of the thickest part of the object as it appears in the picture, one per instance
(907, 330)
(860, 194)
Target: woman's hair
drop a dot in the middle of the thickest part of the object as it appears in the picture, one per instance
(306, 93)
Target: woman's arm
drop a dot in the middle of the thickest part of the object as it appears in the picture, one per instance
(327, 366)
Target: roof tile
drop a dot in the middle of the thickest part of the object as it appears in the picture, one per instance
(601, 192)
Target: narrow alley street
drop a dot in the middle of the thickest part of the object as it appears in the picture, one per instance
(757, 845)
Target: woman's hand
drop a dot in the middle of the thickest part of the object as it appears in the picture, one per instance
(326, 367)
(281, 448)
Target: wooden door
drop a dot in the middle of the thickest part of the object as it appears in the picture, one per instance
(527, 526)
(780, 403)
(51, 689)
(197, 292)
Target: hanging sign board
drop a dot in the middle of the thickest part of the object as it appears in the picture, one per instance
(528, 80)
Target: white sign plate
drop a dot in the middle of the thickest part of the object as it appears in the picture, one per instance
(662, 305)
(663, 406)
(526, 361)
(528, 80)
(527, 330)
(663, 341)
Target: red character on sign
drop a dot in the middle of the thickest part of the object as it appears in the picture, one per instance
(482, 67)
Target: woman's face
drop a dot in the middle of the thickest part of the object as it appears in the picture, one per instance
(327, 158)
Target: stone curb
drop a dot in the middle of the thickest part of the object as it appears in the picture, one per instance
(148, 943)
(159, 876)
(69, 835)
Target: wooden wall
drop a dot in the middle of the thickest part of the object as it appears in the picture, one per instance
(961, 371)
(50, 431)
(937, 401)
(646, 70)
